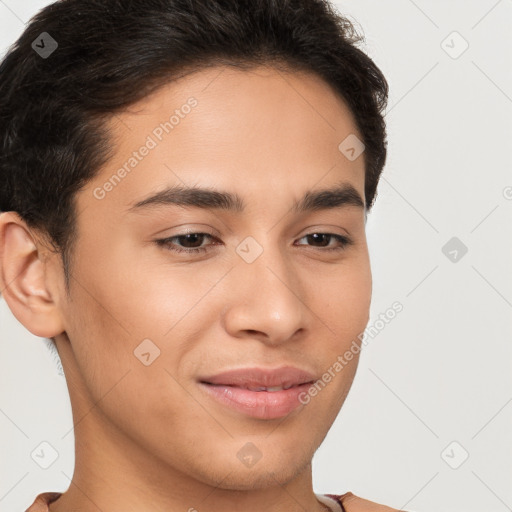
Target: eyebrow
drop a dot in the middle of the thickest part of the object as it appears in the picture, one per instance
(340, 196)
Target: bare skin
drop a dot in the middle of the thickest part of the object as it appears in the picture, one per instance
(148, 437)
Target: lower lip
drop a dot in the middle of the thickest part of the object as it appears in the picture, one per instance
(265, 405)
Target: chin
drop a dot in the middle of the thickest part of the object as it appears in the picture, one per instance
(253, 479)
(277, 469)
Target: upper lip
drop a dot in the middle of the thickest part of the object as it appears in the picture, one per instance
(285, 376)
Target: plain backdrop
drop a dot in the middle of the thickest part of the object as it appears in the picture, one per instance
(427, 424)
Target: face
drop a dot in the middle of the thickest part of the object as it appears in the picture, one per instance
(169, 292)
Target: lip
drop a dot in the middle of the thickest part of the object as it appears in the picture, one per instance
(231, 388)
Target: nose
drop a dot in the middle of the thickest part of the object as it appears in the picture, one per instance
(266, 300)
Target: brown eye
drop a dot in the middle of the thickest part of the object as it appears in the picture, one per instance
(323, 241)
(187, 242)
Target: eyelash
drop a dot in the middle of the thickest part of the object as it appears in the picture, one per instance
(167, 242)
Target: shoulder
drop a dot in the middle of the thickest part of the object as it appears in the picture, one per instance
(352, 503)
(42, 501)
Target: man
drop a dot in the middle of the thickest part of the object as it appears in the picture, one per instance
(185, 188)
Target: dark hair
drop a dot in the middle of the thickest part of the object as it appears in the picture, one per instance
(112, 53)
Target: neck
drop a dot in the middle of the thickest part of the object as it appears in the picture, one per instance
(115, 473)
(110, 474)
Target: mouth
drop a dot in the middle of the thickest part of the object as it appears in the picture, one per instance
(270, 389)
(258, 392)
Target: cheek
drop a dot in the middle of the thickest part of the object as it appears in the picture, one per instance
(343, 300)
(154, 296)
(123, 316)
(130, 378)
(343, 305)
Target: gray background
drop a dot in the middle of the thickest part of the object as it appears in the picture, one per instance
(434, 385)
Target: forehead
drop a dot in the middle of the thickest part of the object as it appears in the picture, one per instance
(261, 132)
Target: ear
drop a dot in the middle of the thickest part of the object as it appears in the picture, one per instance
(24, 279)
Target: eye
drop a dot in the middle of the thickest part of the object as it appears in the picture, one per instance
(324, 240)
(192, 243)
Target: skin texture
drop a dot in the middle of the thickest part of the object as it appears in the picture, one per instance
(147, 437)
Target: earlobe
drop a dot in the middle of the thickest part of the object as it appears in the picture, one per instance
(23, 278)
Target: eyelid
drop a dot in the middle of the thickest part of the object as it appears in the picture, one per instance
(195, 229)
(167, 243)
(324, 228)
(344, 240)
